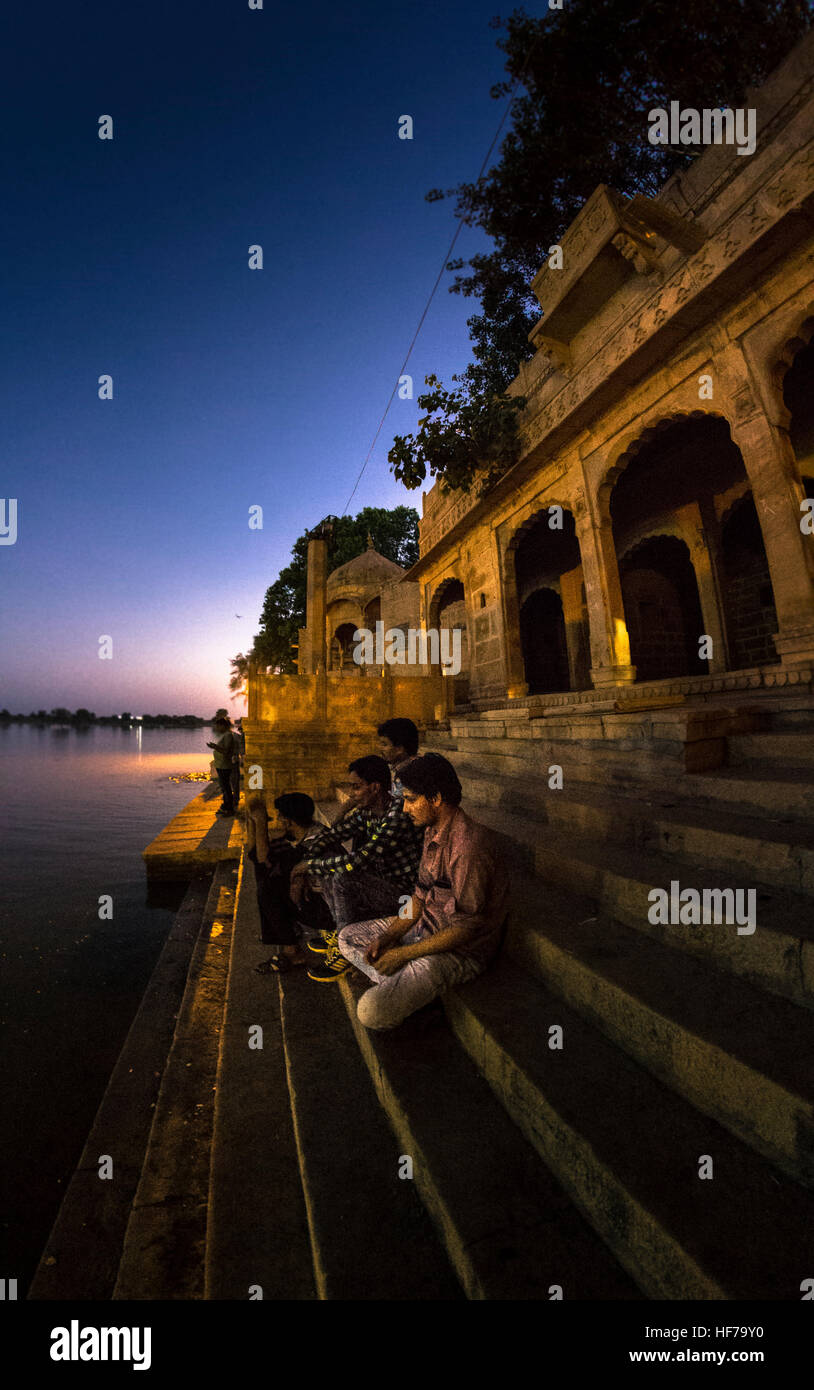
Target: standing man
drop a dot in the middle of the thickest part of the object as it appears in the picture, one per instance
(377, 871)
(451, 928)
(398, 743)
(223, 753)
(240, 752)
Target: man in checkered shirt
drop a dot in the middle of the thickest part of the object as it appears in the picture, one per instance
(380, 869)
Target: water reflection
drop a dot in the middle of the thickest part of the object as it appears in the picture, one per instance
(77, 810)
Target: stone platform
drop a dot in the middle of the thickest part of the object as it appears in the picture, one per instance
(194, 840)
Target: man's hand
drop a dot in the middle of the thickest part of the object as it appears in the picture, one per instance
(388, 938)
(392, 960)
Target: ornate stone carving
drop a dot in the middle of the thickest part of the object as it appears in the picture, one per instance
(642, 259)
(579, 507)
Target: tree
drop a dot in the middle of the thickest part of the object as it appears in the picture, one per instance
(586, 75)
(394, 534)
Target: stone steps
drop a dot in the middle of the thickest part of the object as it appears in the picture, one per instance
(163, 1251)
(774, 851)
(681, 1019)
(370, 1235)
(778, 956)
(610, 748)
(627, 1150)
(783, 794)
(508, 1227)
(305, 1198)
(257, 1230)
(788, 748)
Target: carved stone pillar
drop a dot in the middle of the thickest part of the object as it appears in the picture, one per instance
(516, 686)
(610, 643)
(694, 533)
(572, 613)
(772, 468)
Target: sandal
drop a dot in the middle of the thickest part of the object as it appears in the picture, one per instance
(278, 965)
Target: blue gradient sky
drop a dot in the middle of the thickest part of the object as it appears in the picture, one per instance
(232, 387)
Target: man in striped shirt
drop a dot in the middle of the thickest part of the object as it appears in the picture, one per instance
(376, 872)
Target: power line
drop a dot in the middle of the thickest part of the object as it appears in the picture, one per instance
(440, 274)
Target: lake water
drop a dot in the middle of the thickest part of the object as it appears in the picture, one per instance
(78, 807)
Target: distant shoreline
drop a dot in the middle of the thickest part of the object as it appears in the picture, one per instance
(81, 719)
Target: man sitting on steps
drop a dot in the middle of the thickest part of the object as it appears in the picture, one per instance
(451, 926)
(287, 910)
(379, 868)
(398, 743)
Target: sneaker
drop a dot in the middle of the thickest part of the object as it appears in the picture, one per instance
(326, 945)
(333, 968)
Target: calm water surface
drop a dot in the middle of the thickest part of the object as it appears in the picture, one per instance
(78, 807)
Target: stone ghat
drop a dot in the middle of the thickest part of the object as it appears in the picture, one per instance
(193, 840)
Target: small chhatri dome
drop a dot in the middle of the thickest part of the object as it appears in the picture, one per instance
(368, 568)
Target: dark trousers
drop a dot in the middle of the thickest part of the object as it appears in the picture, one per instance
(360, 896)
(225, 779)
(281, 920)
(236, 783)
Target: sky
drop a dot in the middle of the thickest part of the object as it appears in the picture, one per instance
(232, 387)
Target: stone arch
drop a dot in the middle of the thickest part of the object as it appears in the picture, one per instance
(534, 518)
(448, 610)
(783, 358)
(662, 608)
(342, 645)
(798, 399)
(554, 641)
(680, 478)
(450, 590)
(543, 642)
(373, 612)
(639, 439)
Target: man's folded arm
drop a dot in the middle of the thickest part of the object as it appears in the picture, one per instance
(375, 850)
(447, 940)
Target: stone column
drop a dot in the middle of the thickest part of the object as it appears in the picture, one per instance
(694, 533)
(772, 468)
(610, 643)
(516, 686)
(252, 691)
(316, 603)
(571, 595)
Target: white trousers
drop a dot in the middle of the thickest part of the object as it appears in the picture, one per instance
(394, 997)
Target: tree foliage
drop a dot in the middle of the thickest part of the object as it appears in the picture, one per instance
(459, 427)
(394, 534)
(586, 75)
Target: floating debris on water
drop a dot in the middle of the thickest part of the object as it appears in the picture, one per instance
(188, 777)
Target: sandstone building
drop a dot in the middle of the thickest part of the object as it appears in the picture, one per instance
(671, 417)
(622, 1106)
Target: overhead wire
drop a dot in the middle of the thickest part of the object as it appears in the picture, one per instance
(439, 277)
